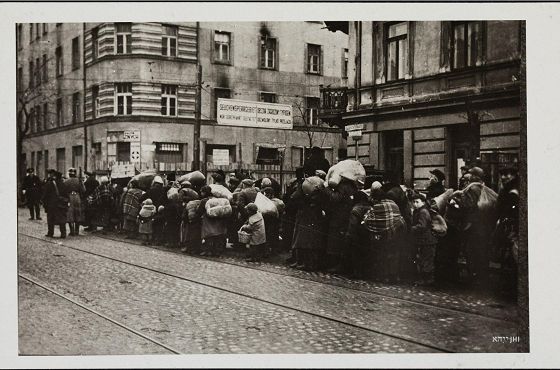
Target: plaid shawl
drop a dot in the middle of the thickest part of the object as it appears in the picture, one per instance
(102, 196)
(131, 203)
(386, 218)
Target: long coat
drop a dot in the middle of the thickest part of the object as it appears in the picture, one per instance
(310, 231)
(33, 188)
(54, 206)
(211, 226)
(340, 203)
(75, 189)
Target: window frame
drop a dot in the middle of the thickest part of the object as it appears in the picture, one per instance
(96, 110)
(76, 62)
(345, 62)
(76, 105)
(45, 28)
(263, 94)
(37, 72)
(31, 82)
(387, 41)
(474, 46)
(126, 94)
(38, 117)
(44, 67)
(31, 38)
(59, 112)
(95, 43)
(228, 45)
(59, 57)
(263, 54)
(127, 38)
(309, 110)
(215, 94)
(168, 93)
(308, 55)
(166, 41)
(45, 115)
(19, 36)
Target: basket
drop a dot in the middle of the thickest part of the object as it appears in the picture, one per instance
(243, 237)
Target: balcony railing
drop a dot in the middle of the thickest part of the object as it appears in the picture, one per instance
(333, 100)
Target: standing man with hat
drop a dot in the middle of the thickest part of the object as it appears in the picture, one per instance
(90, 184)
(436, 186)
(76, 190)
(477, 175)
(32, 189)
(55, 201)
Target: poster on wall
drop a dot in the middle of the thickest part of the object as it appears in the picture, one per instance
(231, 112)
(220, 157)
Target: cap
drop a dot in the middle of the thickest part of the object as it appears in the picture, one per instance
(477, 171)
(251, 207)
(376, 185)
(157, 180)
(437, 173)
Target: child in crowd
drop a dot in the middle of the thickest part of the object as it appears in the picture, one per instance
(255, 227)
(424, 240)
(145, 220)
(159, 225)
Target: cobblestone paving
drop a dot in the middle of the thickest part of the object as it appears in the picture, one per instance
(443, 328)
(191, 317)
(457, 299)
(50, 325)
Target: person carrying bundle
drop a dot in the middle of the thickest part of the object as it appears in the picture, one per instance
(255, 228)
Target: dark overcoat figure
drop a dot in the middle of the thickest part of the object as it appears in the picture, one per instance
(76, 190)
(55, 201)
(33, 187)
(90, 185)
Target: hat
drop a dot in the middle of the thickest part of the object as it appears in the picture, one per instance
(147, 202)
(251, 208)
(437, 173)
(376, 185)
(248, 182)
(265, 182)
(157, 180)
(160, 208)
(477, 171)
(30, 170)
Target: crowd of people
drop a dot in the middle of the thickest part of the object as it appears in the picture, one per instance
(349, 225)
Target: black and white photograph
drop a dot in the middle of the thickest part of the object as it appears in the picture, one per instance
(271, 186)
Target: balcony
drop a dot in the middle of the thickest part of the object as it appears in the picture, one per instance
(333, 104)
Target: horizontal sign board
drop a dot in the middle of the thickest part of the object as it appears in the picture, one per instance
(357, 126)
(131, 135)
(233, 112)
(355, 133)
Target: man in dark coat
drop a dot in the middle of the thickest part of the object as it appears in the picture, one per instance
(90, 184)
(55, 201)
(316, 161)
(32, 189)
(435, 187)
(157, 193)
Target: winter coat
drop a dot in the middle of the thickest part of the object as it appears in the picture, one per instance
(146, 219)
(422, 227)
(157, 194)
(340, 203)
(397, 195)
(210, 226)
(310, 230)
(131, 203)
(76, 190)
(90, 184)
(54, 203)
(255, 227)
(435, 189)
(33, 187)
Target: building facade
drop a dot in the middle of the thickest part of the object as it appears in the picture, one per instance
(101, 94)
(431, 95)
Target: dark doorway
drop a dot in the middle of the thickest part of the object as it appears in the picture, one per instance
(394, 157)
(123, 151)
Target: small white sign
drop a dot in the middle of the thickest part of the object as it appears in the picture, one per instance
(356, 127)
(119, 171)
(355, 133)
(135, 152)
(220, 157)
(131, 135)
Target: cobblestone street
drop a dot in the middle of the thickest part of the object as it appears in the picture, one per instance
(156, 297)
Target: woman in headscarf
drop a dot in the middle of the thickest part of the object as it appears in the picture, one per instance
(131, 207)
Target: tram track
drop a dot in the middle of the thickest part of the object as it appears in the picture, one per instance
(432, 347)
(43, 286)
(307, 279)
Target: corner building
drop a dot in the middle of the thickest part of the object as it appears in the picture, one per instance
(125, 93)
(431, 95)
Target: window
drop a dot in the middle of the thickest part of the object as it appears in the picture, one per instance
(19, 35)
(20, 79)
(168, 100)
(396, 51)
(124, 37)
(96, 148)
(31, 119)
(37, 31)
(58, 24)
(61, 160)
(33, 160)
(312, 110)
(38, 118)
(124, 98)
(313, 58)
(76, 53)
(95, 43)
(214, 149)
(59, 118)
(31, 74)
(220, 93)
(95, 101)
(77, 155)
(76, 107)
(44, 66)
(37, 72)
(46, 161)
(268, 53)
(169, 41)
(222, 46)
(267, 97)
(59, 64)
(465, 45)
(45, 28)
(30, 33)
(345, 63)
(45, 116)
(169, 153)
(38, 168)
